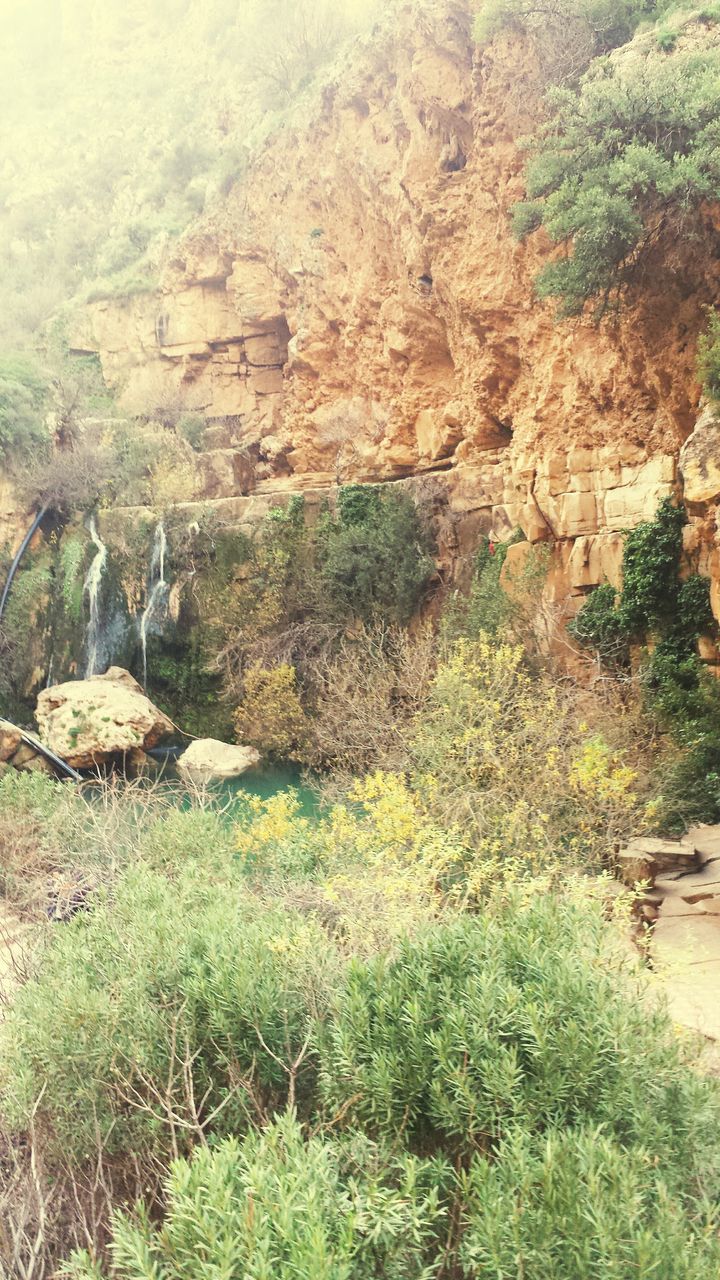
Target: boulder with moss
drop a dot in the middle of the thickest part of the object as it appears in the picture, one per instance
(88, 722)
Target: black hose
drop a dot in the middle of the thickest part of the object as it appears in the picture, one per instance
(23, 548)
(58, 761)
(31, 741)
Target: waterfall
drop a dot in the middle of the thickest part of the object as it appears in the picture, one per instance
(156, 591)
(91, 588)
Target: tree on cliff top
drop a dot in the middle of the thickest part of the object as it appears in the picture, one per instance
(568, 34)
(623, 164)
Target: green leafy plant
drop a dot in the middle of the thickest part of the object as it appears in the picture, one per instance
(625, 160)
(283, 1205)
(72, 557)
(23, 399)
(374, 556)
(656, 605)
(485, 1027)
(167, 1013)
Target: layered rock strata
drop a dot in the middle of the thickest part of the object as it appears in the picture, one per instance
(358, 309)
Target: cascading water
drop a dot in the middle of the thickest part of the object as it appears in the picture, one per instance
(157, 591)
(91, 588)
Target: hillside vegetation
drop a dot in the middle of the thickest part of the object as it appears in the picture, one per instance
(390, 1027)
(121, 122)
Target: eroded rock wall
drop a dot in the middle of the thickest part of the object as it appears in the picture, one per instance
(358, 309)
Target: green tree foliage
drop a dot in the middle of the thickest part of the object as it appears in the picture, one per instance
(625, 160)
(656, 605)
(23, 400)
(367, 561)
(373, 556)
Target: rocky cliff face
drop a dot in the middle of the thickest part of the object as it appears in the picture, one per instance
(358, 309)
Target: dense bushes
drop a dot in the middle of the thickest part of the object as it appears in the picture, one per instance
(374, 556)
(619, 1216)
(669, 613)
(484, 1027)
(23, 397)
(567, 34)
(282, 1206)
(364, 567)
(438, 1073)
(709, 357)
(625, 161)
(167, 1010)
(338, 1057)
(505, 758)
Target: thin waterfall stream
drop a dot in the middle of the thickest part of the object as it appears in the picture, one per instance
(157, 590)
(91, 588)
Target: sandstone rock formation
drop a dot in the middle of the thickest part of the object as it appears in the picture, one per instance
(700, 459)
(206, 759)
(10, 740)
(357, 308)
(88, 722)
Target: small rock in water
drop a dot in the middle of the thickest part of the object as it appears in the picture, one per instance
(207, 759)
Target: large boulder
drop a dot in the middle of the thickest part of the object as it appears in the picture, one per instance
(700, 459)
(87, 722)
(207, 759)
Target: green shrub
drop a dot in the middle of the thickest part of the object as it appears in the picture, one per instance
(655, 604)
(486, 607)
(23, 399)
(651, 569)
(166, 1012)
(483, 718)
(599, 625)
(191, 426)
(576, 1204)
(597, 25)
(666, 40)
(72, 558)
(485, 1026)
(374, 556)
(626, 158)
(278, 1205)
(305, 585)
(709, 356)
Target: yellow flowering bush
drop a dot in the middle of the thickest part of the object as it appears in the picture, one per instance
(505, 758)
(270, 716)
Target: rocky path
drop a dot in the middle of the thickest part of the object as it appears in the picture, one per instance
(685, 938)
(685, 945)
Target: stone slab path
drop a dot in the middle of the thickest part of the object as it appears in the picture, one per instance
(685, 943)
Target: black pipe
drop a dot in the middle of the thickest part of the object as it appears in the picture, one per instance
(31, 741)
(23, 548)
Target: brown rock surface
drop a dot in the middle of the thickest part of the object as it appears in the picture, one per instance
(10, 740)
(700, 459)
(685, 939)
(358, 308)
(364, 279)
(207, 759)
